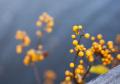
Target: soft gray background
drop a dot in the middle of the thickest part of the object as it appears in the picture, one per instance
(97, 16)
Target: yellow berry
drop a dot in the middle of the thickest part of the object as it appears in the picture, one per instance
(84, 49)
(88, 53)
(31, 52)
(26, 60)
(72, 65)
(111, 58)
(41, 18)
(73, 36)
(87, 35)
(81, 61)
(76, 48)
(40, 47)
(40, 58)
(49, 30)
(81, 54)
(19, 49)
(102, 42)
(103, 59)
(75, 28)
(77, 70)
(71, 51)
(39, 33)
(105, 63)
(67, 73)
(102, 52)
(82, 71)
(106, 60)
(99, 36)
(118, 56)
(38, 23)
(113, 50)
(26, 41)
(67, 78)
(94, 43)
(80, 67)
(79, 80)
(91, 59)
(109, 43)
(50, 24)
(92, 38)
(34, 58)
(20, 35)
(75, 42)
(80, 27)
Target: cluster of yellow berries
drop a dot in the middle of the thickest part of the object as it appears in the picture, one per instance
(68, 77)
(48, 20)
(80, 69)
(22, 36)
(49, 77)
(33, 56)
(99, 49)
(99, 46)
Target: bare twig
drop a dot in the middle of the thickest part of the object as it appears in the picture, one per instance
(36, 73)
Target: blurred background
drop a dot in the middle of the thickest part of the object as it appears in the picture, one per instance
(96, 16)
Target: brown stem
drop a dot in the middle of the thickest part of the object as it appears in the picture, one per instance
(87, 72)
(36, 73)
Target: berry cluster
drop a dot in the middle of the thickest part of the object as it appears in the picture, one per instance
(49, 77)
(48, 20)
(99, 50)
(34, 55)
(22, 36)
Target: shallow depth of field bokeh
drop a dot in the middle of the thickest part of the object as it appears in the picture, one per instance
(96, 16)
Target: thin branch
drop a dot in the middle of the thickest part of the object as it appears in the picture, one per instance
(89, 67)
(36, 73)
